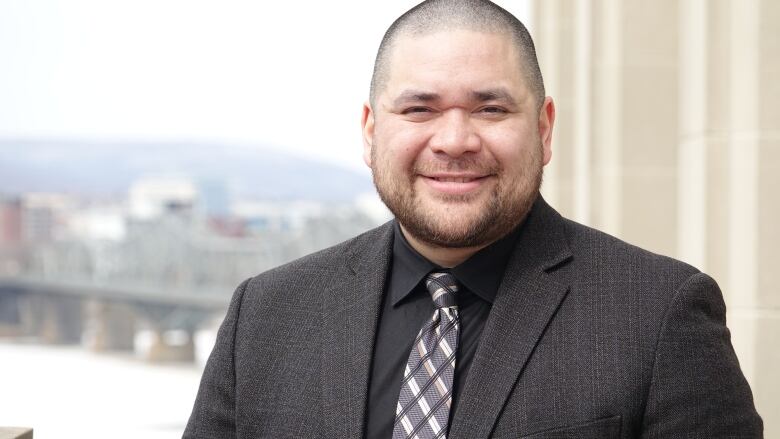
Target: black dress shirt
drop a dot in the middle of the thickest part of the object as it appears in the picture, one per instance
(407, 305)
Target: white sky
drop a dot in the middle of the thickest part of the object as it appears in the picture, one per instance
(292, 75)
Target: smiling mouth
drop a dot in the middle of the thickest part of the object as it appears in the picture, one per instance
(456, 179)
(455, 184)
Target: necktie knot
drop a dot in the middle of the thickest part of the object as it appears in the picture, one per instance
(443, 288)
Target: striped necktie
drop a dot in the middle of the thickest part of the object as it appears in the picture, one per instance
(423, 408)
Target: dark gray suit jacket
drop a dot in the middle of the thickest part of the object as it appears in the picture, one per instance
(589, 337)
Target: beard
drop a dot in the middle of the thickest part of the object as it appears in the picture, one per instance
(459, 221)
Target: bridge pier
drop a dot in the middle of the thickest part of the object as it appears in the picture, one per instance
(54, 320)
(10, 319)
(172, 346)
(111, 326)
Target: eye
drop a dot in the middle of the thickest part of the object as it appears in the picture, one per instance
(492, 110)
(412, 110)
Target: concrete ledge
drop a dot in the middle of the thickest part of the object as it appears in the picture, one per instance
(16, 433)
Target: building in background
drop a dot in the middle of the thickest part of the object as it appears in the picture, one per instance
(152, 197)
(10, 234)
(667, 137)
(10, 220)
(213, 198)
(43, 216)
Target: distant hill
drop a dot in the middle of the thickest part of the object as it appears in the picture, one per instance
(108, 169)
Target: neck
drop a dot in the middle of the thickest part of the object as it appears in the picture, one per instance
(446, 257)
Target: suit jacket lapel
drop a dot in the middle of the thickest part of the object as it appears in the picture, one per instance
(351, 309)
(529, 296)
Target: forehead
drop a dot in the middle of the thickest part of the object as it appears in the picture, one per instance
(454, 59)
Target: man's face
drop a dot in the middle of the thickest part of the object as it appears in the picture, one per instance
(454, 140)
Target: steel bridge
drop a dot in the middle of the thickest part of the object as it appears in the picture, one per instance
(106, 316)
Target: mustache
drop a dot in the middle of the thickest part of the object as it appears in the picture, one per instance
(464, 164)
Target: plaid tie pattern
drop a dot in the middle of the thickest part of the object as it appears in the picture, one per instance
(423, 408)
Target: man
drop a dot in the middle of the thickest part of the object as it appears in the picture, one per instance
(479, 312)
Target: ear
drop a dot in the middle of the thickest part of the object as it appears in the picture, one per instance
(546, 122)
(367, 123)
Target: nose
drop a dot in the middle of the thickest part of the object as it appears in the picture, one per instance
(455, 134)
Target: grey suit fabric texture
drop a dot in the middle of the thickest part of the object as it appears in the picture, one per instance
(588, 337)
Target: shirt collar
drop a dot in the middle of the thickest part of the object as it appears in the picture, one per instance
(481, 274)
(409, 267)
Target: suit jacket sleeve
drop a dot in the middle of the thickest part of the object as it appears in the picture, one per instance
(213, 415)
(697, 387)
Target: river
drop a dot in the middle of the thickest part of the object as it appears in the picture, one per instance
(70, 392)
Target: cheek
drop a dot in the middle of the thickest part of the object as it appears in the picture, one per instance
(506, 148)
(511, 142)
(519, 163)
(399, 146)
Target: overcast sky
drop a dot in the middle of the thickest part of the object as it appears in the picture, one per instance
(292, 75)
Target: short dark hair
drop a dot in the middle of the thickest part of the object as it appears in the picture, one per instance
(432, 16)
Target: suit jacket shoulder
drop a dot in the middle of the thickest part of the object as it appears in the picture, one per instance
(290, 333)
(625, 337)
(606, 255)
(324, 263)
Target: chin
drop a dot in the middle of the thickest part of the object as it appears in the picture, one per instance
(462, 224)
(443, 232)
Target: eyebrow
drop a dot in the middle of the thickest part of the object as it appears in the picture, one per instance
(494, 94)
(490, 94)
(415, 96)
